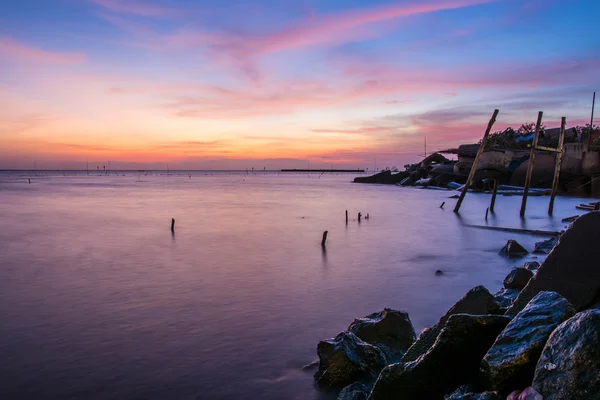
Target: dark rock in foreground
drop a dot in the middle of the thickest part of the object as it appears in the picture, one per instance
(517, 278)
(546, 246)
(389, 328)
(513, 249)
(569, 367)
(510, 362)
(452, 361)
(356, 391)
(477, 301)
(346, 359)
(571, 269)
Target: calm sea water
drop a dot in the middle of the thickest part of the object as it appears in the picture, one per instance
(98, 300)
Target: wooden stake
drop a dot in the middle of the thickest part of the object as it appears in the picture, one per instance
(346, 217)
(559, 157)
(359, 215)
(476, 162)
(172, 224)
(442, 206)
(324, 238)
(531, 163)
(493, 202)
(486, 213)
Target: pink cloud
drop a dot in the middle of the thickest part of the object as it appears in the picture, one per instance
(135, 7)
(14, 50)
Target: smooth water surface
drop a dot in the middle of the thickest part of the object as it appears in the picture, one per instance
(99, 300)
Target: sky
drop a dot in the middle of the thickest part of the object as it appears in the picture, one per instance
(213, 84)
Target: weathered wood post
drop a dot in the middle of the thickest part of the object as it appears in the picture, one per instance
(476, 162)
(531, 163)
(359, 215)
(346, 217)
(486, 213)
(559, 157)
(172, 224)
(324, 239)
(493, 201)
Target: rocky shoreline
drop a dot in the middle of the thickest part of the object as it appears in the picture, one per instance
(537, 338)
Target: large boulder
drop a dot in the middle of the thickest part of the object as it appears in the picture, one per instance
(546, 246)
(346, 359)
(389, 329)
(452, 361)
(477, 301)
(569, 367)
(571, 269)
(356, 391)
(510, 362)
(517, 278)
(513, 249)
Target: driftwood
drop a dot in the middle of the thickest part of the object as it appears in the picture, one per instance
(516, 230)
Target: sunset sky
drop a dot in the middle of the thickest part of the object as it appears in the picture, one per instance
(234, 84)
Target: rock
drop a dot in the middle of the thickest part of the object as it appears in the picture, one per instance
(505, 297)
(346, 359)
(569, 367)
(439, 272)
(453, 360)
(389, 328)
(546, 246)
(517, 278)
(510, 362)
(571, 269)
(356, 391)
(383, 177)
(474, 396)
(527, 394)
(513, 249)
(477, 301)
(532, 265)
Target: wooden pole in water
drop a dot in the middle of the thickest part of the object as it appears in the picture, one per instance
(493, 202)
(359, 215)
(486, 213)
(559, 157)
(531, 163)
(172, 224)
(476, 162)
(324, 238)
(346, 217)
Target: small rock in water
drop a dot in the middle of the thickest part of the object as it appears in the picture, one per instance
(517, 278)
(532, 265)
(439, 272)
(569, 367)
(546, 246)
(513, 249)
